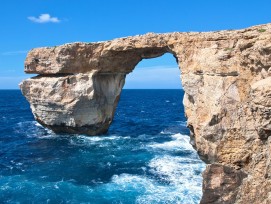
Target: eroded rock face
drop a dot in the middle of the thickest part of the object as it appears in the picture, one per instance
(220, 183)
(78, 103)
(226, 76)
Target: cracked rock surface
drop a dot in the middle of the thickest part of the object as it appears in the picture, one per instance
(226, 76)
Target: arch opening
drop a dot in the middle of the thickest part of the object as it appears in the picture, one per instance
(150, 114)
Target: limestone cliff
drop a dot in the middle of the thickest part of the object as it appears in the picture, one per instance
(226, 76)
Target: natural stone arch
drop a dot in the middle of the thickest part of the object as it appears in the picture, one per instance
(227, 82)
(84, 94)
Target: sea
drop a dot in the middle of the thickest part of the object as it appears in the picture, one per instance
(144, 158)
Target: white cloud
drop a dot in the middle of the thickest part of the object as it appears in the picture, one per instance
(44, 18)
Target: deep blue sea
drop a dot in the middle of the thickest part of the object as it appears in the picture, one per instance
(144, 158)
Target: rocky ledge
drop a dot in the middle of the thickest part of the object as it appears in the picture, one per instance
(226, 76)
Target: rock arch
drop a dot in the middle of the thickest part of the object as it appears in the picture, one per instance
(226, 76)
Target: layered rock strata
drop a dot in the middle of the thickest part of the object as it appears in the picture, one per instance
(226, 76)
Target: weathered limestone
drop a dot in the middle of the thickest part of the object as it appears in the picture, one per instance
(78, 103)
(226, 76)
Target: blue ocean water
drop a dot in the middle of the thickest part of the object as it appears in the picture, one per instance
(144, 158)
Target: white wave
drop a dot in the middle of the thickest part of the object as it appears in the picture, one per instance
(33, 129)
(101, 141)
(38, 125)
(166, 132)
(91, 139)
(101, 138)
(174, 168)
(126, 182)
(172, 145)
(162, 132)
(179, 142)
(182, 173)
(150, 191)
(184, 141)
(183, 123)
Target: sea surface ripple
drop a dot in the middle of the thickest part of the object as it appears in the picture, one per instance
(145, 157)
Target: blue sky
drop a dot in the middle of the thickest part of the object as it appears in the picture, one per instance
(24, 27)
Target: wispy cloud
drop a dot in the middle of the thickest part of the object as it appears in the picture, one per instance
(44, 18)
(19, 52)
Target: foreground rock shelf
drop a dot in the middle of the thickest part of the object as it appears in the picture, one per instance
(226, 76)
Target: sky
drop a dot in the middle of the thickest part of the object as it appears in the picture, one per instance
(36, 23)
